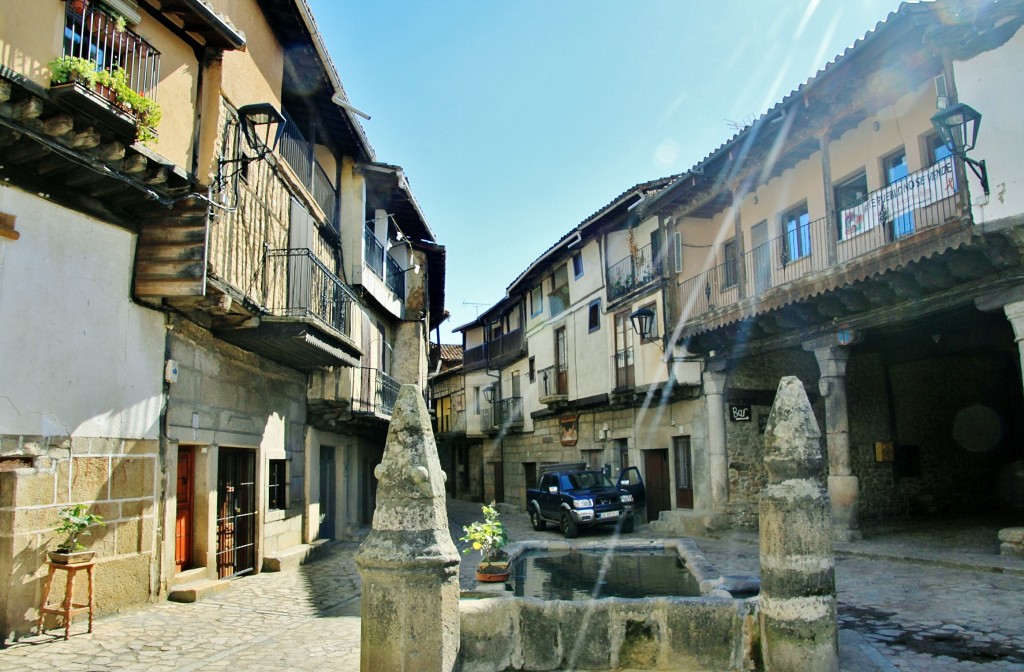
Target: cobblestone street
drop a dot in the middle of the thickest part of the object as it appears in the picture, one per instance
(945, 611)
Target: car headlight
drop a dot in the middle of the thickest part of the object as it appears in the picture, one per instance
(627, 499)
(583, 503)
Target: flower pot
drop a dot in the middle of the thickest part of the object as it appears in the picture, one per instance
(75, 558)
(492, 572)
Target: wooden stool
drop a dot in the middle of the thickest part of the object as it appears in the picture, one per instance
(67, 608)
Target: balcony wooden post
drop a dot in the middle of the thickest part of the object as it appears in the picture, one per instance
(831, 227)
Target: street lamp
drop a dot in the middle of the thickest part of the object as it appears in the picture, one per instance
(489, 394)
(958, 127)
(643, 322)
(257, 117)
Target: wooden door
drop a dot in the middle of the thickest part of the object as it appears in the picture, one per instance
(529, 478)
(762, 257)
(499, 482)
(561, 363)
(684, 472)
(184, 517)
(656, 477)
(328, 501)
(236, 512)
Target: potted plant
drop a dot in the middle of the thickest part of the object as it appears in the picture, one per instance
(74, 69)
(488, 536)
(73, 523)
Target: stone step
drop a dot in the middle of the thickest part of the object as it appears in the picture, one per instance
(689, 523)
(293, 557)
(194, 591)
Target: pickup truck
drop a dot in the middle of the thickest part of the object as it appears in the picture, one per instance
(573, 496)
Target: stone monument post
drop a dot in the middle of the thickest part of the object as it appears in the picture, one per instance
(798, 588)
(408, 564)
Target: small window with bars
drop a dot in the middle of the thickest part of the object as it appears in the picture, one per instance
(277, 486)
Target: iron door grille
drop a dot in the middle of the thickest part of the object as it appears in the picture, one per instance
(236, 512)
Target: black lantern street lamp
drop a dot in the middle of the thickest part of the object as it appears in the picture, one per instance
(489, 394)
(958, 127)
(643, 322)
(261, 117)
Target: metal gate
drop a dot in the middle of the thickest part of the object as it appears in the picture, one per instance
(236, 512)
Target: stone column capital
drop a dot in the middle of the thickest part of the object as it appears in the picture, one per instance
(714, 382)
(831, 358)
(1015, 314)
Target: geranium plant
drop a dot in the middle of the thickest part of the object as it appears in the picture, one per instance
(487, 536)
(74, 523)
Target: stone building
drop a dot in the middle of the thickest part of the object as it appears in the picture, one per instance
(838, 238)
(208, 311)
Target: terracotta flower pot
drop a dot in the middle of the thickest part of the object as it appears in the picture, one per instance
(75, 558)
(492, 572)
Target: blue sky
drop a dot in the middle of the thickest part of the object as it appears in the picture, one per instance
(515, 121)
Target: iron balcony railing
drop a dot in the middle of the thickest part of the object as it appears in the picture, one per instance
(921, 200)
(301, 285)
(633, 272)
(395, 278)
(622, 364)
(298, 153)
(92, 33)
(375, 392)
(504, 414)
(374, 251)
(554, 381)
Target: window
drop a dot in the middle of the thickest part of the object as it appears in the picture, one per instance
(559, 297)
(796, 224)
(536, 301)
(894, 169)
(731, 267)
(677, 251)
(476, 400)
(276, 486)
(849, 194)
(533, 370)
(594, 315)
(577, 265)
(937, 150)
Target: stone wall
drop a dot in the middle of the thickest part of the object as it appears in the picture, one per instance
(754, 380)
(118, 479)
(228, 397)
(655, 633)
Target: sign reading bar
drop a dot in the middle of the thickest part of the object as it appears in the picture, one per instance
(739, 412)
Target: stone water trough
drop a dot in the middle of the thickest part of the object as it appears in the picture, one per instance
(713, 630)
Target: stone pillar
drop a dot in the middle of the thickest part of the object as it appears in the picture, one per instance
(408, 564)
(799, 630)
(718, 463)
(842, 484)
(1015, 314)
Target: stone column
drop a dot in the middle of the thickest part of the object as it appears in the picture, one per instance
(718, 463)
(799, 629)
(408, 564)
(1015, 314)
(842, 484)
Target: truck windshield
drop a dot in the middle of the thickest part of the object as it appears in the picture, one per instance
(587, 479)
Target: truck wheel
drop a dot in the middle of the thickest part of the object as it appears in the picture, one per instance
(628, 524)
(538, 522)
(569, 528)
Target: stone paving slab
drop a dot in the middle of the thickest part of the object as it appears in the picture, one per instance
(894, 614)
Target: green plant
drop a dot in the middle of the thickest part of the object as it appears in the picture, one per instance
(487, 536)
(64, 68)
(88, 73)
(145, 110)
(74, 522)
(119, 23)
